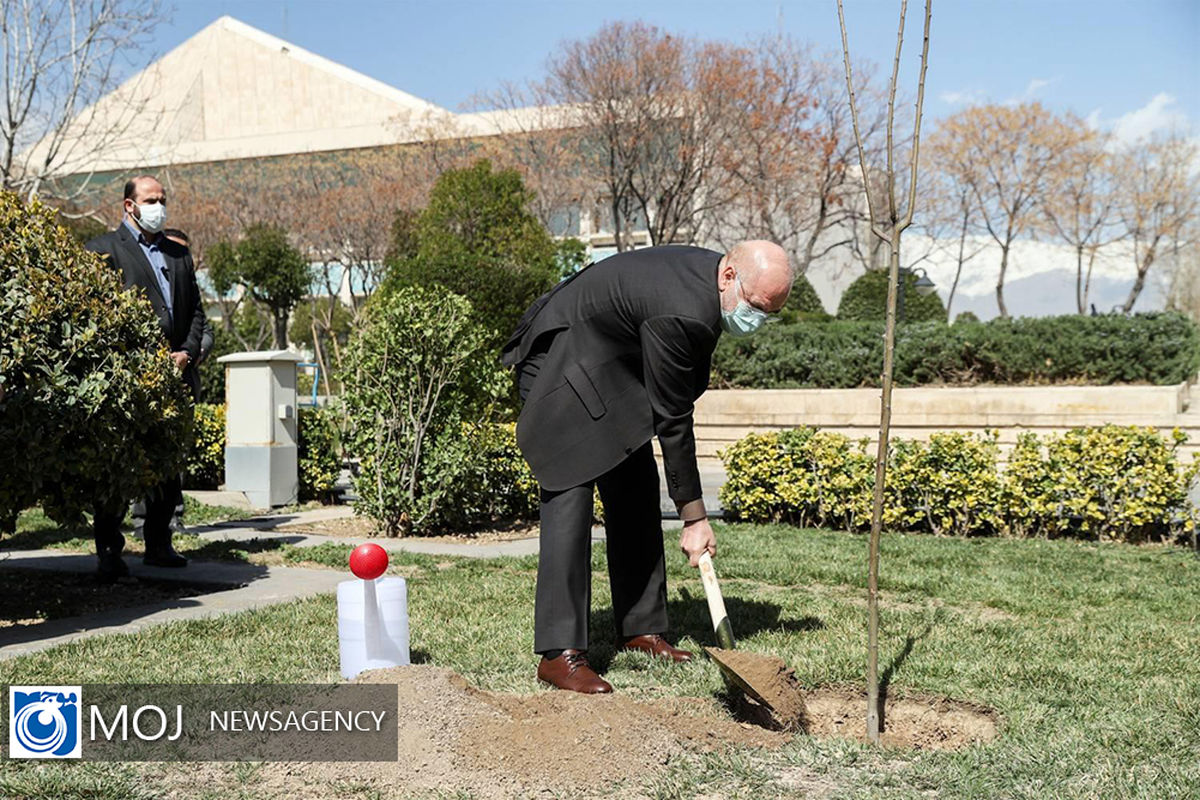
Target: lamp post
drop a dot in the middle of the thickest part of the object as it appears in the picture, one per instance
(924, 286)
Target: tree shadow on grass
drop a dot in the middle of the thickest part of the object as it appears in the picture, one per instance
(689, 618)
(885, 677)
(233, 550)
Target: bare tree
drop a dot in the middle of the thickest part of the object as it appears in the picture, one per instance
(1158, 196)
(656, 112)
(1078, 204)
(60, 57)
(1005, 155)
(949, 219)
(888, 228)
(795, 180)
(545, 143)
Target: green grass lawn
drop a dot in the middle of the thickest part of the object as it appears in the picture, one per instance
(1090, 653)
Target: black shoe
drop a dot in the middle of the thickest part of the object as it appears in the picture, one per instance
(164, 557)
(111, 568)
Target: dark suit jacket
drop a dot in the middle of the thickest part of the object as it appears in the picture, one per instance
(185, 328)
(632, 341)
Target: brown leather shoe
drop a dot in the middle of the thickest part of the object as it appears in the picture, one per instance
(657, 646)
(570, 671)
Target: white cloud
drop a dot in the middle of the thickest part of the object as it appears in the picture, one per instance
(1034, 86)
(967, 97)
(1093, 119)
(1157, 115)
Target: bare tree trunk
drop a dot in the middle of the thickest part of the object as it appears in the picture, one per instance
(319, 353)
(1087, 281)
(1000, 282)
(1080, 296)
(281, 321)
(892, 236)
(962, 246)
(1140, 282)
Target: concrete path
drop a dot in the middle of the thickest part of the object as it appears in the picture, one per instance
(250, 586)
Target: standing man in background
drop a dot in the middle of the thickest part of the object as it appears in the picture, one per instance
(138, 512)
(162, 269)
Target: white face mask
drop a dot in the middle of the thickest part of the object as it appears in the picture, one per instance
(151, 216)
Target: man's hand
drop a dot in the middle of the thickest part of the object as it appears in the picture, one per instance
(181, 359)
(696, 539)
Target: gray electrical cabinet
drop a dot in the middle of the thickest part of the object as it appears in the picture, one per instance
(261, 454)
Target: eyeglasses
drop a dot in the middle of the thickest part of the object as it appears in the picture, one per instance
(771, 316)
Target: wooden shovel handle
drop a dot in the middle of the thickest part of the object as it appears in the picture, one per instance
(716, 603)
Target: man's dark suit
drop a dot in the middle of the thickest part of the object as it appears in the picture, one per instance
(183, 330)
(607, 360)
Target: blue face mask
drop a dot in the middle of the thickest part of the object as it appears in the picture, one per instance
(743, 320)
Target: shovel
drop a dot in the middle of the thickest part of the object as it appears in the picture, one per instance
(764, 679)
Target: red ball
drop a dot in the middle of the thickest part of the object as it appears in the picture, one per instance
(368, 561)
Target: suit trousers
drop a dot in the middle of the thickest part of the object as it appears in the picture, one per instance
(636, 563)
(160, 508)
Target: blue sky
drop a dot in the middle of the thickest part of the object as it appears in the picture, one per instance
(1133, 65)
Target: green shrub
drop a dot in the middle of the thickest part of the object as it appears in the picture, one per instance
(92, 412)
(212, 372)
(206, 459)
(1111, 483)
(804, 304)
(966, 316)
(948, 486)
(803, 476)
(417, 369)
(1160, 348)
(865, 300)
(477, 238)
(496, 485)
(320, 452)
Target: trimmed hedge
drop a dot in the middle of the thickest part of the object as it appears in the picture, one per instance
(1109, 483)
(206, 458)
(804, 304)
(865, 300)
(1159, 348)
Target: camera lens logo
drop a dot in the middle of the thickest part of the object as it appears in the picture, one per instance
(43, 721)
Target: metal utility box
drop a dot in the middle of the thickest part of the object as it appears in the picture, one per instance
(261, 454)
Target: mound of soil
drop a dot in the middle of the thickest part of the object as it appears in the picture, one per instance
(770, 682)
(453, 736)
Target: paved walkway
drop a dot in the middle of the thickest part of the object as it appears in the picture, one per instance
(250, 585)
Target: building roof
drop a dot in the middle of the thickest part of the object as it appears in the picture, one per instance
(233, 91)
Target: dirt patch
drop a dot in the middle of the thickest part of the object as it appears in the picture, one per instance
(770, 684)
(918, 722)
(455, 737)
(364, 528)
(33, 597)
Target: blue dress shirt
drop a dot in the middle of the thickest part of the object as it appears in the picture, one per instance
(158, 263)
